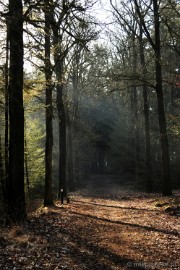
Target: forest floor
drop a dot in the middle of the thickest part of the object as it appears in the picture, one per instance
(104, 227)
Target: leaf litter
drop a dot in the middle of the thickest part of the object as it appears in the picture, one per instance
(128, 232)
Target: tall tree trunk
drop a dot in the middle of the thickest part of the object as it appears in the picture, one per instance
(59, 56)
(147, 141)
(48, 196)
(62, 139)
(26, 162)
(146, 115)
(167, 189)
(2, 171)
(136, 133)
(135, 110)
(156, 45)
(70, 155)
(6, 135)
(15, 183)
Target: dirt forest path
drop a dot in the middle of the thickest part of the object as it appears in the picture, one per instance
(102, 228)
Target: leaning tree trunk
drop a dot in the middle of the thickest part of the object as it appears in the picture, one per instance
(167, 189)
(48, 196)
(15, 182)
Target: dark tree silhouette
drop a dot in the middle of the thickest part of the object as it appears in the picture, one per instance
(156, 45)
(15, 182)
(48, 196)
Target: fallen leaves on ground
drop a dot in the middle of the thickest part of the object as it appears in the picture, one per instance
(128, 232)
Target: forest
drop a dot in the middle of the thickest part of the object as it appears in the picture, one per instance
(89, 134)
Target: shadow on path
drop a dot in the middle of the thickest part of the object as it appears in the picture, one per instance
(113, 206)
(176, 233)
(74, 242)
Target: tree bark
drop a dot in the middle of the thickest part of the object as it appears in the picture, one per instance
(135, 118)
(59, 56)
(26, 162)
(146, 115)
(156, 45)
(62, 139)
(15, 182)
(70, 155)
(48, 196)
(2, 171)
(167, 189)
(6, 114)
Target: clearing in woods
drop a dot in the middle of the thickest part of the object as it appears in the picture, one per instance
(104, 227)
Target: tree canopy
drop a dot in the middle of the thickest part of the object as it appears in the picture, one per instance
(82, 95)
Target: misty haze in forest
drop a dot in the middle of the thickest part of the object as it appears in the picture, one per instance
(89, 97)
